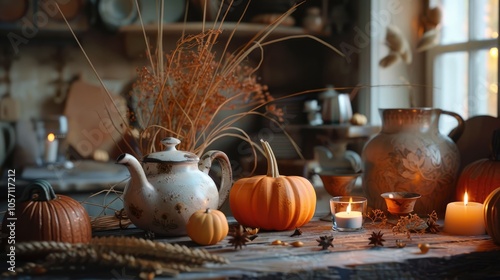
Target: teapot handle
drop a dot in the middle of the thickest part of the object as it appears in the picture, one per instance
(226, 172)
(457, 131)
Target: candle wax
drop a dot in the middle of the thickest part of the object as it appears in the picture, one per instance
(51, 150)
(463, 219)
(349, 220)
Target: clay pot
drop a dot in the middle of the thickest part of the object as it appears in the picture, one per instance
(409, 154)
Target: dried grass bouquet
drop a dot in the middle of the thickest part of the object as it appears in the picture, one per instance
(181, 95)
(180, 92)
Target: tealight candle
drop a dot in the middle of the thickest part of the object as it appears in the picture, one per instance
(51, 146)
(349, 219)
(347, 212)
(464, 218)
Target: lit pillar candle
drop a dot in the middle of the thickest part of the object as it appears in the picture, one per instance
(464, 218)
(51, 146)
(349, 219)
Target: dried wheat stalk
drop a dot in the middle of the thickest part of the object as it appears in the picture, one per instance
(106, 259)
(42, 247)
(144, 247)
(125, 245)
(88, 256)
(146, 256)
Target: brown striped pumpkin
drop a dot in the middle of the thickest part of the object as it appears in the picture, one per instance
(491, 209)
(481, 177)
(44, 216)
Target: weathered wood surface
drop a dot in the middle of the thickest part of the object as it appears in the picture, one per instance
(352, 256)
(450, 257)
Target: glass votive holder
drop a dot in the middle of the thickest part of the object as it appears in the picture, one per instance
(348, 212)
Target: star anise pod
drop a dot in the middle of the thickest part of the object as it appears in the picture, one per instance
(376, 239)
(432, 227)
(431, 222)
(325, 241)
(297, 232)
(239, 237)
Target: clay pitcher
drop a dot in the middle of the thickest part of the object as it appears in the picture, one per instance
(409, 154)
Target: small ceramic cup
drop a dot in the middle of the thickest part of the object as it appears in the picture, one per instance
(400, 203)
(348, 212)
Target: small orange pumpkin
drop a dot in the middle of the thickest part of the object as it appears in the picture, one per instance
(491, 209)
(272, 202)
(207, 227)
(44, 216)
(481, 177)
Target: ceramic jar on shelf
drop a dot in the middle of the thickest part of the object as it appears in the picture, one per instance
(409, 154)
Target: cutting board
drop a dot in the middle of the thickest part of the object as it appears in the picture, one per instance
(95, 121)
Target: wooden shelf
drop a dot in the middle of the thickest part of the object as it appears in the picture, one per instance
(243, 29)
(134, 38)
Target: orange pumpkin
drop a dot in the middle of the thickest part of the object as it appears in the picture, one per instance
(44, 216)
(272, 202)
(491, 209)
(207, 227)
(481, 177)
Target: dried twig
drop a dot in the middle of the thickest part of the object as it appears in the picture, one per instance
(409, 224)
(377, 215)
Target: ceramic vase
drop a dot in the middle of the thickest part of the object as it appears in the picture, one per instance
(409, 154)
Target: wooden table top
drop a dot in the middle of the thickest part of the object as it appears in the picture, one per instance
(351, 254)
(351, 257)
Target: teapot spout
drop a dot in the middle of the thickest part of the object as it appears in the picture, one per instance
(138, 178)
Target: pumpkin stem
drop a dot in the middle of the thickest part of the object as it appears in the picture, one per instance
(38, 190)
(207, 210)
(272, 164)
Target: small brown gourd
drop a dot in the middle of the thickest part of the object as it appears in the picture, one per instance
(207, 227)
(44, 216)
(481, 177)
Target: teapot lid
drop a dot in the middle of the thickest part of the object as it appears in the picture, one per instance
(171, 154)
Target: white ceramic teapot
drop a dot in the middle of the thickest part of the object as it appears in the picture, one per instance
(170, 186)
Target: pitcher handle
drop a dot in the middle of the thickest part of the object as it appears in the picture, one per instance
(226, 172)
(355, 160)
(457, 131)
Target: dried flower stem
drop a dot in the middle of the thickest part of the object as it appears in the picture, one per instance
(377, 215)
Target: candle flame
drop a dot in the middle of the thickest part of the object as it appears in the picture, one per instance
(51, 137)
(466, 199)
(348, 209)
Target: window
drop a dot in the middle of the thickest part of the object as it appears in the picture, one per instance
(463, 68)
